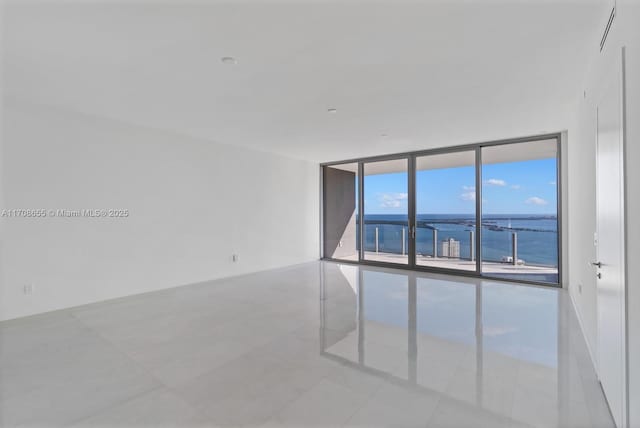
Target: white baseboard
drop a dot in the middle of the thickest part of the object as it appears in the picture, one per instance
(584, 334)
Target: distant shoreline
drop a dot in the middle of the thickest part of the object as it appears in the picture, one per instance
(472, 216)
(487, 222)
(537, 234)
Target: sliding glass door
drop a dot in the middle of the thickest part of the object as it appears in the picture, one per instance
(520, 211)
(386, 211)
(446, 210)
(486, 210)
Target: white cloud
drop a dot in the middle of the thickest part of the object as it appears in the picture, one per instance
(495, 182)
(469, 193)
(468, 196)
(516, 186)
(392, 200)
(552, 183)
(534, 200)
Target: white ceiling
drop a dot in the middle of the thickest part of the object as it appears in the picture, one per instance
(539, 149)
(428, 74)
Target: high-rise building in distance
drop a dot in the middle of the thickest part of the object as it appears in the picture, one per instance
(450, 248)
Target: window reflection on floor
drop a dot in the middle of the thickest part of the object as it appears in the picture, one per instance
(472, 340)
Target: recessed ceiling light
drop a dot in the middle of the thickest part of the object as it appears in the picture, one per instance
(332, 110)
(384, 135)
(229, 60)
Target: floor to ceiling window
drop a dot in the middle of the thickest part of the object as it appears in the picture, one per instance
(386, 211)
(487, 209)
(446, 211)
(519, 211)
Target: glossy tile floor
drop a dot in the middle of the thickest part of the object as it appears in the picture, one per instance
(313, 345)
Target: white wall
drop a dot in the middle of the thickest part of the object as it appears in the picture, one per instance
(2, 219)
(192, 205)
(582, 182)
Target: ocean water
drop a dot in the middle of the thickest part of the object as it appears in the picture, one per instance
(537, 235)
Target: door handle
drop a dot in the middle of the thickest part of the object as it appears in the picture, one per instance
(597, 264)
(413, 232)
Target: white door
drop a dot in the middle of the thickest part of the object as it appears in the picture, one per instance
(610, 244)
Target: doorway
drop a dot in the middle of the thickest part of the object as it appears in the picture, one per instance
(610, 243)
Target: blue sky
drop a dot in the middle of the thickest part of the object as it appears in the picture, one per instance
(527, 187)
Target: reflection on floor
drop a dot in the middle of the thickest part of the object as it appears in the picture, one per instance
(495, 269)
(319, 344)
